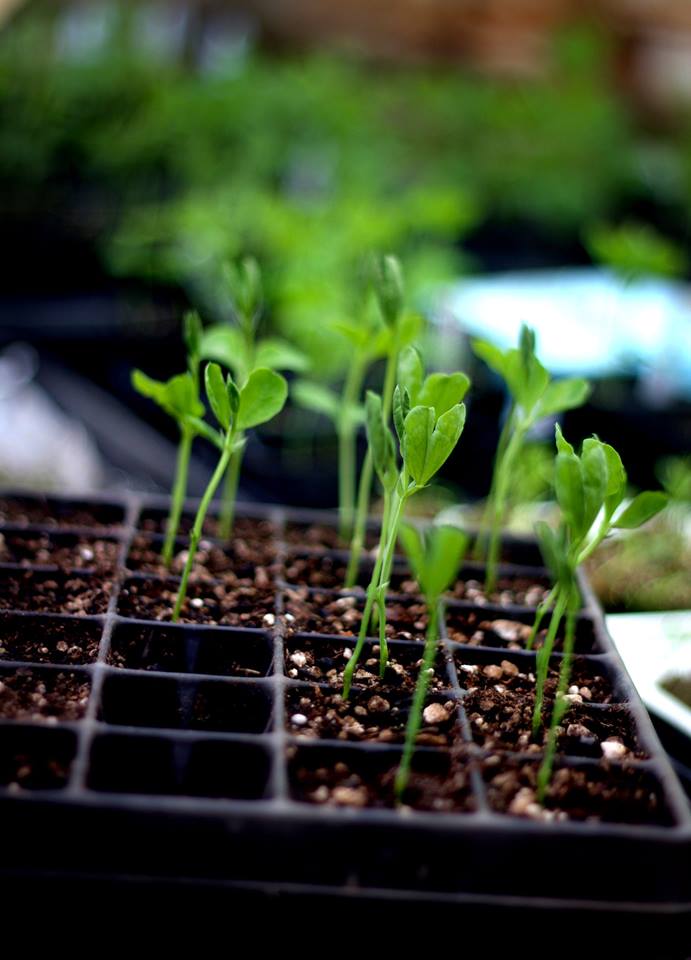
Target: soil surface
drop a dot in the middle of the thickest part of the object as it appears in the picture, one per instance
(54, 593)
(324, 536)
(244, 528)
(145, 599)
(511, 591)
(320, 713)
(243, 563)
(63, 551)
(54, 641)
(57, 514)
(607, 793)
(308, 611)
(47, 696)
(476, 628)
(31, 768)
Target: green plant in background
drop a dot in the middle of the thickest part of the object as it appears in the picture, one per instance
(534, 396)
(235, 410)
(237, 347)
(435, 555)
(590, 491)
(429, 417)
(179, 398)
(635, 250)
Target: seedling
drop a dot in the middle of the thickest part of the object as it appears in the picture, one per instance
(235, 411)
(434, 557)
(179, 397)
(236, 346)
(534, 395)
(590, 491)
(429, 418)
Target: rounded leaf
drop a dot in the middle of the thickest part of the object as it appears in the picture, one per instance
(263, 396)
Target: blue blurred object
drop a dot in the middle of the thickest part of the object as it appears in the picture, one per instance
(588, 323)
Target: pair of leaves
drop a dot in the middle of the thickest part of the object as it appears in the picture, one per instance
(260, 399)
(227, 345)
(178, 396)
(435, 556)
(427, 441)
(438, 390)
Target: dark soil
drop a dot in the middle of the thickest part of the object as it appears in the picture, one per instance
(49, 513)
(205, 603)
(54, 593)
(320, 713)
(476, 628)
(500, 701)
(243, 563)
(29, 763)
(308, 611)
(511, 591)
(607, 793)
(438, 782)
(63, 551)
(324, 536)
(47, 696)
(50, 641)
(244, 528)
(323, 661)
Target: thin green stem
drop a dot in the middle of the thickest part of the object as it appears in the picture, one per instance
(230, 492)
(178, 494)
(384, 575)
(543, 607)
(196, 534)
(544, 774)
(543, 659)
(480, 546)
(415, 715)
(504, 474)
(347, 433)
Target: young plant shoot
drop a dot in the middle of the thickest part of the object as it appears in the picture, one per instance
(534, 395)
(261, 398)
(435, 556)
(237, 347)
(590, 491)
(429, 418)
(179, 397)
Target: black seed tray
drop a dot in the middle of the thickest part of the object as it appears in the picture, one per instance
(182, 753)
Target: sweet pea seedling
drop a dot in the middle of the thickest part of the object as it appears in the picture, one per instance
(534, 395)
(590, 491)
(435, 556)
(427, 434)
(237, 347)
(179, 397)
(235, 411)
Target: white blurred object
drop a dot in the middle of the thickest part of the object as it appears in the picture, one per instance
(40, 447)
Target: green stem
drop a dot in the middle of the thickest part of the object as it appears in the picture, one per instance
(367, 473)
(543, 658)
(196, 534)
(415, 715)
(384, 575)
(230, 492)
(480, 547)
(504, 473)
(178, 494)
(543, 608)
(347, 433)
(544, 774)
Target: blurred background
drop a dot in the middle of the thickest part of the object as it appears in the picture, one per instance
(528, 160)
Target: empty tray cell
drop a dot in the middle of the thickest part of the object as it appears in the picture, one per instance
(40, 695)
(44, 639)
(228, 653)
(244, 528)
(326, 612)
(493, 628)
(323, 536)
(69, 551)
(147, 599)
(584, 791)
(320, 713)
(219, 768)
(519, 590)
(34, 758)
(147, 701)
(524, 553)
(54, 512)
(246, 566)
(355, 778)
(322, 660)
(76, 594)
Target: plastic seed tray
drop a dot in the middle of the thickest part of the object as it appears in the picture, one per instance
(133, 748)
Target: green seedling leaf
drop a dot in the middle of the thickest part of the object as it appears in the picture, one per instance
(192, 333)
(358, 335)
(443, 391)
(616, 479)
(177, 396)
(400, 409)
(417, 434)
(277, 354)
(413, 543)
(445, 436)
(568, 486)
(492, 355)
(388, 286)
(317, 397)
(225, 344)
(641, 509)
(261, 398)
(563, 395)
(218, 394)
(148, 387)
(380, 441)
(594, 476)
(245, 285)
(563, 445)
(411, 372)
(549, 547)
(445, 550)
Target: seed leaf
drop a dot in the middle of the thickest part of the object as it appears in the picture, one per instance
(563, 445)
(568, 486)
(594, 474)
(411, 372)
(177, 396)
(641, 509)
(563, 395)
(218, 395)
(443, 391)
(445, 436)
(417, 433)
(446, 546)
(261, 398)
(381, 442)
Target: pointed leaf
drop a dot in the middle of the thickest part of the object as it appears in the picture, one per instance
(641, 509)
(380, 441)
(563, 445)
(182, 398)
(400, 409)
(443, 391)
(225, 344)
(568, 486)
(446, 547)
(414, 548)
(217, 394)
(411, 372)
(445, 436)
(563, 395)
(417, 434)
(278, 354)
(594, 474)
(494, 357)
(148, 387)
(262, 397)
(192, 334)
